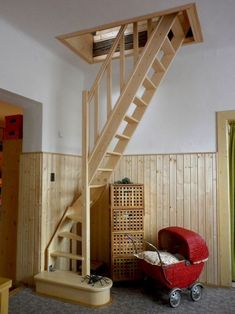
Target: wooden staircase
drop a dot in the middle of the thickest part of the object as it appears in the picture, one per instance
(104, 140)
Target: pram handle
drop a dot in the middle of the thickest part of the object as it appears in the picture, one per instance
(155, 248)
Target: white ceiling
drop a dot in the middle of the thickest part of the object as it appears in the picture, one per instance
(43, 20)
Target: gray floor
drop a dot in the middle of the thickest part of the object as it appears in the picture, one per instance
(127, 299)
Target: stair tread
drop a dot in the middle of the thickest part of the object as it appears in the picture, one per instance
(130, 119)
(105, 169)
(122, 136)
(67, 255)
(139, 102)
(148, 84)
(158, 66)
(75, 217)
(97, 186)
(70, 235)
(114, 154)
(167, 47)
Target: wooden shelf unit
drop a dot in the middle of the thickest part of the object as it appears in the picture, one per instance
(127, 219)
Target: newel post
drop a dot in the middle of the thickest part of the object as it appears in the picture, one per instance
(85, 187)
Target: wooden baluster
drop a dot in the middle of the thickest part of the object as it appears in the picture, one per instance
(96, 113)
(109, 89)
(149, 27)
(135, 42)
(122, 62)
(106, 62)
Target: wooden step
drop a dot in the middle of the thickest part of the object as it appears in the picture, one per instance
(122, 137)
(167, 47)
(72, 287)
(130, 119)
(70, 235)
(148, 84)
(139, 102)
(114, 154)
(105, 169)
(97, 186)
(74, 217)
(67, 255)
(158, 66)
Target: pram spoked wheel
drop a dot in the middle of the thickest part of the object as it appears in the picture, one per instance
(175, 297)
(196, 292)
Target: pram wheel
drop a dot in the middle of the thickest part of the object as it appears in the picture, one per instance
(196, 292)
(175, 297)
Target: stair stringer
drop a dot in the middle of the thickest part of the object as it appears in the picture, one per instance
(65, 225)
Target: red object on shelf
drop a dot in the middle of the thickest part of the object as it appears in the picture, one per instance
(13, 134)
(14, 121)
(13, 127)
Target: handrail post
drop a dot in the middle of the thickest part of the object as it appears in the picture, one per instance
(85, 187)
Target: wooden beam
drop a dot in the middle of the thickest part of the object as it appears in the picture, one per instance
(135, 41)
(109, 89)
(149, 27)
(122, 63)
(96, 113)
(85, 188)
(128, 21)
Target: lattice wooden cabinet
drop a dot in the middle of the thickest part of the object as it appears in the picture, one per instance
(127, 219)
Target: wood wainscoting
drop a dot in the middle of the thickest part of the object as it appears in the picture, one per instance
(180, 189)
(42, 202)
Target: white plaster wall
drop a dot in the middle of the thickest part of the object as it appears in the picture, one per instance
(32, 71)
(182, 115)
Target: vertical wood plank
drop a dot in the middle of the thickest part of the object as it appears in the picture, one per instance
(209, 216)
(159, 177)
(149, 27)
(193, 194)
(180, 190)
(172, 192)
(135, 41)
(187, 194)
(166, 190)
(96, 113)
(109, 89)
(122, 63)
(85, 188)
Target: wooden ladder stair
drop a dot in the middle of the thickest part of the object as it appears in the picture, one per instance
(98, 165)
(151, 63)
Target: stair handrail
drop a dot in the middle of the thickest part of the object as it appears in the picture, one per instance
(107, 61)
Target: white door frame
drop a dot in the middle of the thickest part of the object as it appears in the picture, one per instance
(223, 199)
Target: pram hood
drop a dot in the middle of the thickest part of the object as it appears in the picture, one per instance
(187, 243)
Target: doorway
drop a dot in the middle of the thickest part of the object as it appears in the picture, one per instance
(223, 197)
(10, 150)
(32, 142)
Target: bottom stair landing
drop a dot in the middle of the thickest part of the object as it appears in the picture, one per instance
(70, 286)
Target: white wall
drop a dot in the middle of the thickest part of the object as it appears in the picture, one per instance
(182, 115)
(30, 70)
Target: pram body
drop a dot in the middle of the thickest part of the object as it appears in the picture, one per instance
(193, 251)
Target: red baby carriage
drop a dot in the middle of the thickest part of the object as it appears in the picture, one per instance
(190, 251)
